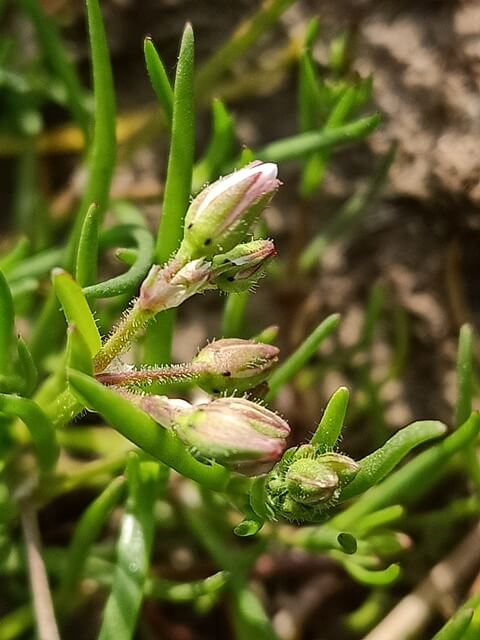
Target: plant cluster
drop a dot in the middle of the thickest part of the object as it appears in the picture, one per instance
(234, 468)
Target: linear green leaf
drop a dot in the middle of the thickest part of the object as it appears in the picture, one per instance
(301, 356)
(367, 577)
(316, 165)
(310, 100)
(305, 143)
(86, 532)
(76, 308)
(178, 186)
(330, 428)
(37, 265)
(78, 353)
(422, 473)
(159, 78)
(220, 148)
(101, 155)
(15, 256)
(41, 428)
(378, 464)
(87, 254)
(134, 549)
(456, 627)
(27, 365)
(180, 161)
(464, 374)
(7, 322)
(129, 282)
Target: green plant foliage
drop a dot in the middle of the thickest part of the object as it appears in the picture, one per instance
(93, 414)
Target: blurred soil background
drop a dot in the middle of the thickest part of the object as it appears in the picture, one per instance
(420, 240)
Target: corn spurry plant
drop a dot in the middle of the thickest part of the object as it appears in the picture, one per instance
(239, 466)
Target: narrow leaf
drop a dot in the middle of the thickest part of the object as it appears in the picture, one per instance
(128, 283)
(178, 186)
(7, 321)
(301, 356)
(305, 143)
(369, 578)
(464, 374)
(78, 353)
(456, 627)
(101, 155)
(422, 473)
(76, 308)
(133, 550)
(180, 161)
(86, 532)
(330, 428)
(27, 365)
(159, 78)
(40, 427)
(86, 264)
(378, 464)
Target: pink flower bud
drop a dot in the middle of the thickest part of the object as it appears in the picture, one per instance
(232, 364)
(223, 213)
(233, 431)
(239, 269)
(165, 288)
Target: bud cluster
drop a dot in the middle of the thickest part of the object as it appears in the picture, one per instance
(210, 256)
(222, 215)
(306, 483)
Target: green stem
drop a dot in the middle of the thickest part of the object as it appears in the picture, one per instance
(168, 373)
(120, 339)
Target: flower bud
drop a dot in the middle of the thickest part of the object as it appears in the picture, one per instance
(162, 409)
(305, 483)
(165, 287)
(232, 364)
(239, 269)
(234, 432)
(309, 481)
(223, 213)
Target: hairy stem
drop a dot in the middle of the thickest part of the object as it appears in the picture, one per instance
(167, 373)
(121, 337)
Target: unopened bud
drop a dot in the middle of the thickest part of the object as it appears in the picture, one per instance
(239, 269)
(162, 409)
(234, 432)
(309, 481)
(223, 213)
(232, 364)
(305, 483)
(166, 288)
